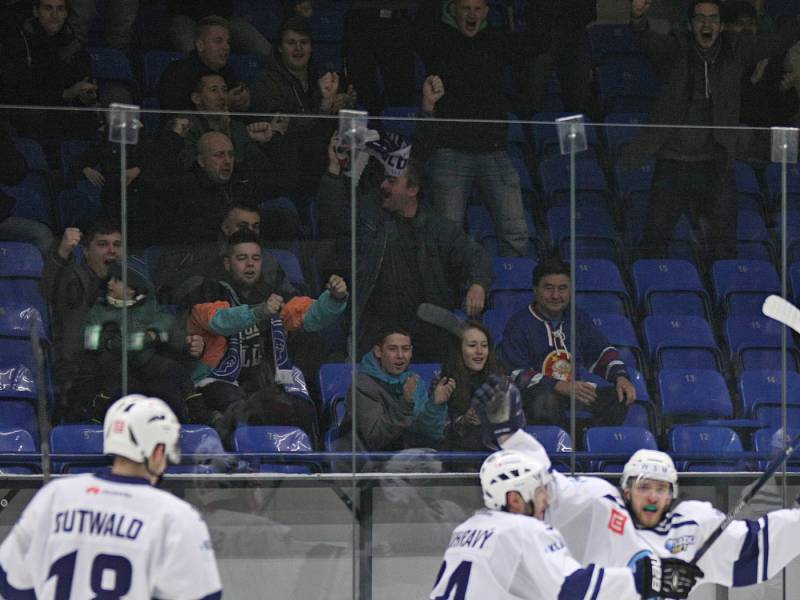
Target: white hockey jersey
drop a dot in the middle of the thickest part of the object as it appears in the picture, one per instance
(505, 556)
(746, 553)
(589, 512)
(591, 515)
(108, 536)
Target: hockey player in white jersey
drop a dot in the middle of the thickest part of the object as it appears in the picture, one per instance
(748, 552)
(114, 535)
(507, 552)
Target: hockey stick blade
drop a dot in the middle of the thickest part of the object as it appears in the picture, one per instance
(782, 311)
(771, 469)
(441, 317)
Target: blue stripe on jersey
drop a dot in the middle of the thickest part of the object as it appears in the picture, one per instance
(765, 551)
(598, 583)
(615, 500)
(745, 569)
(576, 584)
(9, 592)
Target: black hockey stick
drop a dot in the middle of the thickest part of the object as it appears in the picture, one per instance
(787, 313)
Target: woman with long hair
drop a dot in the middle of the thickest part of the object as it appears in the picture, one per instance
(470, 362)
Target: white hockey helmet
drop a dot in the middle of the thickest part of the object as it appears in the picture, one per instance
(650, 464)
(511, 471)
(135, 425)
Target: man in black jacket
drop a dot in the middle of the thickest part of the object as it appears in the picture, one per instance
(469, 59)
(700, 77)
(407, 254)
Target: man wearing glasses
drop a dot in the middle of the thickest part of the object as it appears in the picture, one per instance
(697, 106)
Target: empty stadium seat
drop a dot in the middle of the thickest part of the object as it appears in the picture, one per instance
(599, 277)
(254, 439)
(495, 320)
(20, 442)
(510, 275)
(768, 442)
(246, 66)
(669, 286)
(710, 441)
(18, 413)
(691, 395)
(755, 343)
(620, 129)
(754, 278)
(595, 233)
(618, 439)
(612, 41)
(619, 332)
(591, 186)
(678, 341)
(86, 439)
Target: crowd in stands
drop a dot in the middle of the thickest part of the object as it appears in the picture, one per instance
(238, 208)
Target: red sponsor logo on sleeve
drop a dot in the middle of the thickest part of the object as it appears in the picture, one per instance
(617, 521)
(93, 490)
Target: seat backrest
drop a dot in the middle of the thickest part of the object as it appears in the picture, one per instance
(13, 439)
(495, 320)
(753, 332)
(20, 259)
(270, 438)
(427, 371)
(713, 441)
(676, 331)
(598, 275)
(732, 276)
(512, 273)
(200, 439)
(77, 439)
(618, 439)
(766, 387)
(693, 394)
(551, 437)
(652, 275)
(334, 381)
(290, 264)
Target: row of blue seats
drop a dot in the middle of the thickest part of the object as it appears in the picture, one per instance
(280, 449)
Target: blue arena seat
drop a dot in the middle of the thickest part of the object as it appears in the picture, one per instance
(334, 381)
(600, 304)
(626, 86)
(600, 277)
(511, 275)
(264, 16)
(591, 185)
(69, 152)
(691, 395)
(555, 441)
(75, 207)
(19, 413)
(679, 341)
(78, 439)
(20, 259)
(596, 236)
(773, 179)
(756, 278)
(274, 438)
(427, 371)
(755, 343)
(18, 441)
(669, 286)
(110, 65)
(327, 22)
(768, 441)
(32, 201)
(712, 441)
(761, 393)
(753, 241)
(623, 439)
(291, 266)
(200, 439)
(495, 320)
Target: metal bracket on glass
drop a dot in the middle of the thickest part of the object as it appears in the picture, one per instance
(353, 128)
(124, 125)
(784, 144)
(571, 134)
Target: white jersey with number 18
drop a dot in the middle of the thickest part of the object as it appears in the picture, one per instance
(108, 536)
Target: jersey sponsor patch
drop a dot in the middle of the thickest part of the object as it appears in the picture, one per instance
(617, 521)
(679, 544)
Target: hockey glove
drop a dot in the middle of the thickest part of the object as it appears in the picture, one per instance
(665, 577)
(498, 404)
